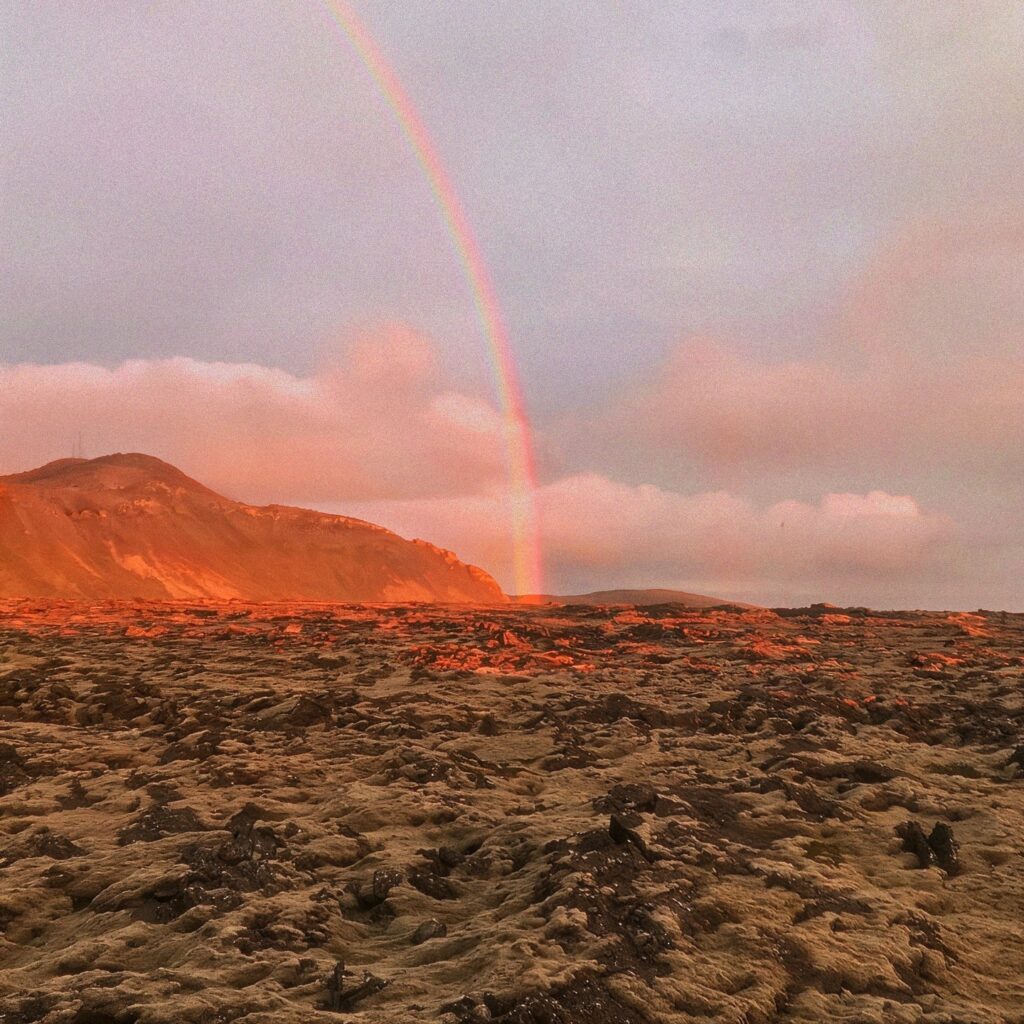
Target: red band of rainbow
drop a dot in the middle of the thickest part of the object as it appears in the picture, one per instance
(518, 444)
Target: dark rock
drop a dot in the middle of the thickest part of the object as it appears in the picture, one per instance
(467, 1009)
(945, 848)
(198, 746)
(618, 830)
(432, 929)
(77, 796)
(250, 842)
(343, 996)
(809, 800)
(9, 755)
(12, 769)
(335, 987)
(450, 857)
(48, 844)
(938, 848)
(384, 880)
(43, 843)
(915, 842)
(158, 822)
(443, 860)
(870, 771)
(633, 796)
(432, 885)
(617, 706)
(374, 892)
(294, 713)
(621, 833)
(583, 1000)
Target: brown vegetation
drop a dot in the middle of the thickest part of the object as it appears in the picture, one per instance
(586, 816)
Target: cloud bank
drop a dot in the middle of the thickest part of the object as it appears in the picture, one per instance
(378, 432)
(597, 531)
(920, 375)
(377, 421)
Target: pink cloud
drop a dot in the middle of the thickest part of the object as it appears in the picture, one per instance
(599, 532)
(375, 422)
(922, 372)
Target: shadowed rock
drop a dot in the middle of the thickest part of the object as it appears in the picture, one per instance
(945, 848)
(343, 995)
(622, 833)
(374, 892)
(916, 842)
(158, 822)
(432, 929)
(939, 847)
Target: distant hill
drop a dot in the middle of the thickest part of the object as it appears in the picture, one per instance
(634, 597)
(131, 526)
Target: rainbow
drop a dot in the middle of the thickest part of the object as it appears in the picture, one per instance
(518, 445)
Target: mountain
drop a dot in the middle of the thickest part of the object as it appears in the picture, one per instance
(634, 597)
(131, 526)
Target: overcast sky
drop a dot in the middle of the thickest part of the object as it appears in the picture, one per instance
(762, 265)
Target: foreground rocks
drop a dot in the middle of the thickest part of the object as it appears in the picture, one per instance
(611, 816)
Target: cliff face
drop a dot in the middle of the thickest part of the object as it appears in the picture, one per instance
(131, 526)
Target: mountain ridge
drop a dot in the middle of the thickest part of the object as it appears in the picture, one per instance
(130, 525)
(632, 596)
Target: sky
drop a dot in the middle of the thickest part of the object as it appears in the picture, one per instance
(761, 263)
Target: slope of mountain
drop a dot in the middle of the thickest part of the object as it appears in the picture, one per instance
(131, 526)
(634, 597)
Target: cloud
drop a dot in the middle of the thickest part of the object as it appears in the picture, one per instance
(376, 433)
(915, 385)
(726, 409)
(921, 375)
(599, 532)
(377, 421)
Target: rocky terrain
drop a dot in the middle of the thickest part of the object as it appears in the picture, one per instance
(216, 813)
(131, 526)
